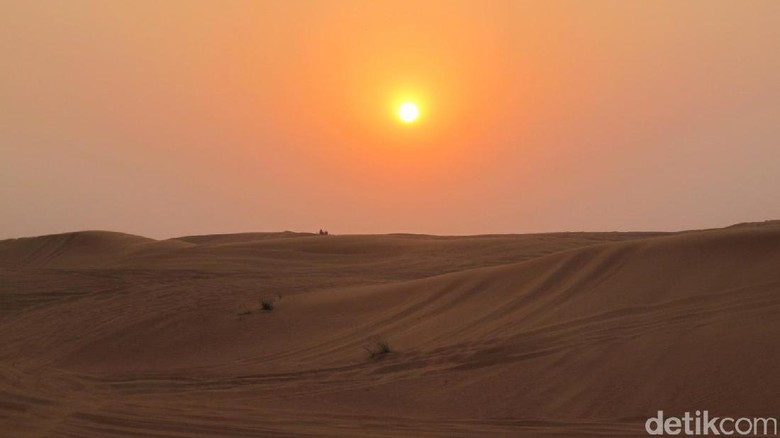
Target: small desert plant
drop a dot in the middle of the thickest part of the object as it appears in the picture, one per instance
(379, 348)
(266, 304)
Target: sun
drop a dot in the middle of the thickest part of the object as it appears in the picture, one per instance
(408, 112)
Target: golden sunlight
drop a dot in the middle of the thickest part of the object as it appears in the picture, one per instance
(408, 112)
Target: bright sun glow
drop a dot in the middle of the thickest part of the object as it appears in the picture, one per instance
(408, 112)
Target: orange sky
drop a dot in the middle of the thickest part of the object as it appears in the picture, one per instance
(172, 118)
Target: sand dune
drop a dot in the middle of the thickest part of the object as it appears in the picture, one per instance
(567, 334)
(79, 250)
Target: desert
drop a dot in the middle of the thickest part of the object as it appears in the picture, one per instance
(562, 334)
(389, 218)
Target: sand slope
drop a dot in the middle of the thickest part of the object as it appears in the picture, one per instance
(568, 334)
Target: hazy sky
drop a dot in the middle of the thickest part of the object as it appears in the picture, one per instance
(166, 118)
